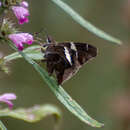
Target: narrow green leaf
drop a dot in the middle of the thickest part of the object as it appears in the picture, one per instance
(64, 98)
(2, 126)
(86, 24)
(33, 114)
(34, 52)
(60, 93)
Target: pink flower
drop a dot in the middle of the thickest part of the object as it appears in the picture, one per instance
(21, 13)
(21, 38)
(6, 99)
(24, 4)
(0, 3)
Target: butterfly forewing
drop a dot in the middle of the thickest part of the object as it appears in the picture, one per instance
(83, 51)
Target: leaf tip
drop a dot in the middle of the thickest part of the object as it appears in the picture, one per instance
(96, 124)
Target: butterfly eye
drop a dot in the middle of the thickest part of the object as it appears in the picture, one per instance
(46, 45)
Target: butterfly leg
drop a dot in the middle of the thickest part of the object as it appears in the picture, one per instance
(59, 76)
(50, 67)
(44, 60)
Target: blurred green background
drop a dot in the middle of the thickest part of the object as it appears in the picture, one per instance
(93, 86)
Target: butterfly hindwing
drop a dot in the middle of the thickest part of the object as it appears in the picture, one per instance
(66, 58)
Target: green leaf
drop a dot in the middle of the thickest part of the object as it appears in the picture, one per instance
(64, 98)
(60, 93)
(34, 52)
(84, 23)
(3, 66)
(2, 126)
(33, 114)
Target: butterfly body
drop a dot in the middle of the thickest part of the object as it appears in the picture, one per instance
(66, 58)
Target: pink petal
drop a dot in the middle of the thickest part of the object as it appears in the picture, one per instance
(20, 46)
(24, 20)
(21, 38)
(0, 3)
(6, 99)
(10, 104)
(29, 42)
(21, 13)
(8, 96)
(24, 4)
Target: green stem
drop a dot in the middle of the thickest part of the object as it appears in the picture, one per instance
(2, 126)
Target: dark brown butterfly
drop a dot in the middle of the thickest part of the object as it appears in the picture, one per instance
(66, 58)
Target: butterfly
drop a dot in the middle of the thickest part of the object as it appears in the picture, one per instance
(66, 58)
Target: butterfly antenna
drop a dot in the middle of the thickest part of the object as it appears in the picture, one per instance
(48, 38)
(42, 30)
(36, 35)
